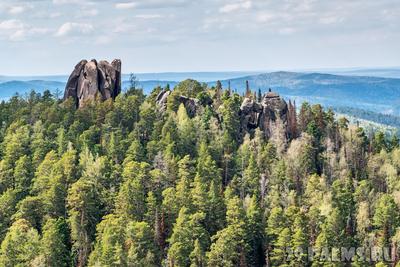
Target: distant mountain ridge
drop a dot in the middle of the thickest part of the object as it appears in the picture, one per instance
(374, 94)
(10, 88)
(361, 91)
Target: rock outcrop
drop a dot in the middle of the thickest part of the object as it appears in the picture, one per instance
(270, 115)
(191, 104)
(91, 79)
(161, 99)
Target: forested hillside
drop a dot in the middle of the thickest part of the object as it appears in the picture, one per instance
(131, 183)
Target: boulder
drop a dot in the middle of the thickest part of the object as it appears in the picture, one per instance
(92, 80)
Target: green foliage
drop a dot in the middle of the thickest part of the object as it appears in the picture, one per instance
(20, 246)
(386, 218)
(187, 229)
(84, 214)
(126, 183)
(189, 88)
(229, 246)
(54, 244)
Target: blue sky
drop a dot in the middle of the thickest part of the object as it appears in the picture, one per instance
(51, 36)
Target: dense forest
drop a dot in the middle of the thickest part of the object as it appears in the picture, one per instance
(123, 183)
(385, 119)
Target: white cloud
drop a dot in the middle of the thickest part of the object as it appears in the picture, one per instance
(152, 4)
(149, 16)
(62, 2)
(55, 15)
(69, 28)
(16, 30)
(11, 24)
(265, 17)
(103, 40)
(89, 13)
(128, 5)
(286, 31)
(228, 8)
(15, 10)
(331, 20)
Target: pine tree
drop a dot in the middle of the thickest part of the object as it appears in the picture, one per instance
(8, 203)
(197, 256)
(54, 244)
(251, 178)
(39, 144)
(229, 243)
(278, 254)
(20, 246)
(187, 229)
(141, 250)
(255, 232)
(22, 174)
(134, 152)
(130, 201)
(186, 132)
(275, 223)
(299, 242)
(206, 173)
(342, 199)
(215, 215)
(386, 218)
(84, 214)
(110, 237)
(185, 176)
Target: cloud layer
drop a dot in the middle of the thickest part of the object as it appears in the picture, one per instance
(206, 34)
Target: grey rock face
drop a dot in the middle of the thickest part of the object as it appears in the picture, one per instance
(250, 114)
(72, 83)
(90, 80)
(191, 104)
(274, 109)
(264, 115)
(161, 99)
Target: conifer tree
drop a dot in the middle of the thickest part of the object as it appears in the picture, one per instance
(187, 229)
(255, 232)
(229, 243)
(110, 238)
(197, 256)
(386, 218)
(20, 246)
(84, 214)
(54, 244)
(131, 198)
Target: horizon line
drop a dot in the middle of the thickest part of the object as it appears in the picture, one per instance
(230, 71)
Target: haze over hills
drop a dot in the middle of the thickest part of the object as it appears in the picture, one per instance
(383, 94)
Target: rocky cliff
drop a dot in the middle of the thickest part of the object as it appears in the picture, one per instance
(270, 116)
(91, 79)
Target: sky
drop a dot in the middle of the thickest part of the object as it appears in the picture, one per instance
(48, 37)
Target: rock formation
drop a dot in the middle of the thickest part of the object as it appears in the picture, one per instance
(191, 104)
(270, 115)
(91, 80)
(161, 99)
(250, 112)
